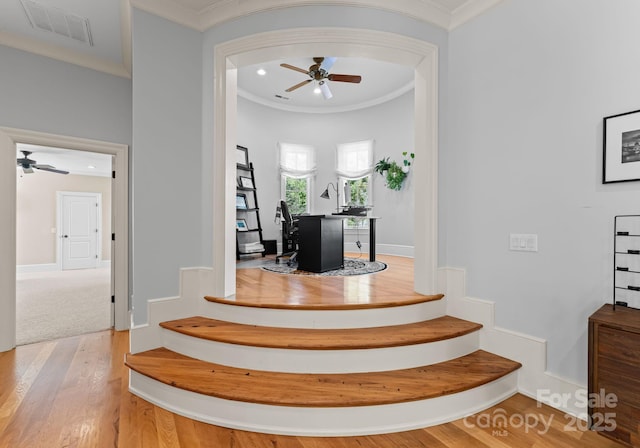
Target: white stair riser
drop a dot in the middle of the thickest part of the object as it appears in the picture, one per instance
(323, 422)
(354, 318)
(321, 361)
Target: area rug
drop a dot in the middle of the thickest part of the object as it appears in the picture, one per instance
(352, 266)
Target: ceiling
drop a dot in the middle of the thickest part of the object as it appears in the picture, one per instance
(76, 162)
(105, 44)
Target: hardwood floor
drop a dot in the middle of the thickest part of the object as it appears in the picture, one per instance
(392, 286)
(73, 393)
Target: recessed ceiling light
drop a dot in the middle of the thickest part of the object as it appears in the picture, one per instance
(261, 72)
(91, 167)
(317, 90)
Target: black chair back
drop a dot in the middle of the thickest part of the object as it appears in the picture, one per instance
(288, 219)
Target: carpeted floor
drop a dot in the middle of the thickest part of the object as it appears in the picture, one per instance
(52, 305)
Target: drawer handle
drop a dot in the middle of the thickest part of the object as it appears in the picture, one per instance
(620, 268)
(633, 251)
(633, 288)
(623, 233)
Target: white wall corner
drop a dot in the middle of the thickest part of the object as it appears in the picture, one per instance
(194, 284)
(533, 378)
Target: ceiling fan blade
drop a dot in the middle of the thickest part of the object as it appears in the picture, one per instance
(50, 169)
(297, 86)
(327, 63)
(297, 69)
(345, 78)
(27, 170)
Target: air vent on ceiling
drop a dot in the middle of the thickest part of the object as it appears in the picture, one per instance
(55, 20)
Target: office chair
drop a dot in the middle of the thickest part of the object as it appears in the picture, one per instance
(289, 232)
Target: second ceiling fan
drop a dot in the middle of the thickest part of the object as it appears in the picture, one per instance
(319, 71)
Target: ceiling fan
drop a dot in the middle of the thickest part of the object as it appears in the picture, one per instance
(28, 164)
(319, 71)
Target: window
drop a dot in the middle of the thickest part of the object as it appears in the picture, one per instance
(354, 167)
(297, 167)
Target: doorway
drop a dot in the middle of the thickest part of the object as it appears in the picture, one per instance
(9, 138)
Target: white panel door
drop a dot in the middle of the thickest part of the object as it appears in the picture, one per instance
(80, 230)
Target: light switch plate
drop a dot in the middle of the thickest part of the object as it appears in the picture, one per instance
(523, 242)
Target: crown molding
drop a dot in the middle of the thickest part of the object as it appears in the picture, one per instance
(224, 11)
(470, 10)
(62, 54)
(327, 110)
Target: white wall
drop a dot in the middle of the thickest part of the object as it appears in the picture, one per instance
(167, 106)
(530, 82)
(391, 126)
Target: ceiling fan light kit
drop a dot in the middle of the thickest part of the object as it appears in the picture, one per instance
(319, 72)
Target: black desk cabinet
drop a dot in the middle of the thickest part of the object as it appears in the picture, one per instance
(320, 244)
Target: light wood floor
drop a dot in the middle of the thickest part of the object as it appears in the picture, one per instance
(392, 286)
(73, 393)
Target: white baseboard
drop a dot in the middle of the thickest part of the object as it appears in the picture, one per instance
(387, 249)
(50, 267)
(27, 268)
(533, 380)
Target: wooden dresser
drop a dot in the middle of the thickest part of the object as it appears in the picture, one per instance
(614, 368)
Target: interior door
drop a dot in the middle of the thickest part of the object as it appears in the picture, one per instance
(80, 230)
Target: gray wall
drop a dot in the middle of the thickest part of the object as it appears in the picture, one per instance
(530, 83)
(42, 94)
(167, 80)
(391, 126)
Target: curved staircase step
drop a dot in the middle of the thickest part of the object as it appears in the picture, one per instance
(433, 330)
(321, 390)
(326, 303)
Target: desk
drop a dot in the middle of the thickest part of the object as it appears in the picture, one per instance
(372, 231)
(320, 243)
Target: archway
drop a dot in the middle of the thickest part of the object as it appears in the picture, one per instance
(398, 49)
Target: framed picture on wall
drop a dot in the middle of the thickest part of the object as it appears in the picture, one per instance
(242, 157)
(621, 147)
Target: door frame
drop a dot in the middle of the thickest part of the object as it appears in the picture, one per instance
(60, 224)
(9, 137)
(297, 42)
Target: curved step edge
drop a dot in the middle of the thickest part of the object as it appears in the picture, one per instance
(346, 318)
(324, 422)
(433, 330)
(321, 361)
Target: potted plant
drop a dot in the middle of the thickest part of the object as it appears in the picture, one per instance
(393, 173)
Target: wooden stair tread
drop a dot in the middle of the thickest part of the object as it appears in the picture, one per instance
(321, 390)
(433, 330)
(323, 304)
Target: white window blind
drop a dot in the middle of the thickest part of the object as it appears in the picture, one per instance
(296, 160)
(355, 159)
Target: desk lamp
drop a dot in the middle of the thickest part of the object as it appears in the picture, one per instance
(325, 195)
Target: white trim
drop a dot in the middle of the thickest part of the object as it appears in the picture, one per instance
(385, 46)
(388, 249)
(9, 137)
(29, 268)
(62, 54)
(530, 351)
(323, 422)
(220, 12)
(327, 110)
(321, 361)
